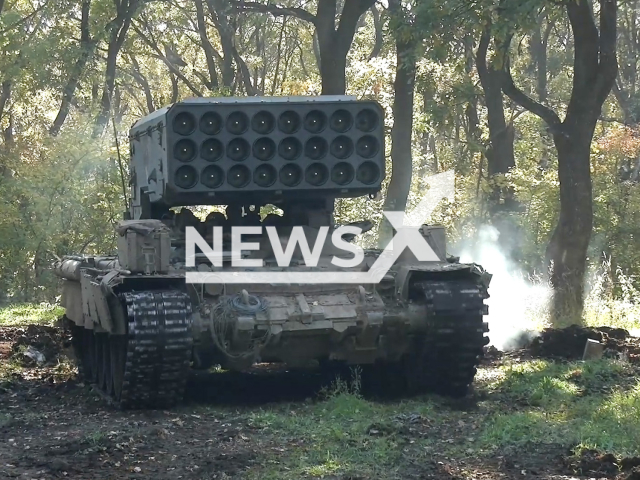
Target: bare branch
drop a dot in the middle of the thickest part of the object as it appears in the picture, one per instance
(522, 99)
(169, 65)
(275, 10)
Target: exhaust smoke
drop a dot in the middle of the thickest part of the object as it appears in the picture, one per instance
(518, 306)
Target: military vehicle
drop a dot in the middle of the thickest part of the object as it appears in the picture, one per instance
(139, 326)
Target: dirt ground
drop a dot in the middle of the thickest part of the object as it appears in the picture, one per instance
(53, 426)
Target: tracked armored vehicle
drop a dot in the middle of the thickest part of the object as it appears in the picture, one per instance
(176, 295)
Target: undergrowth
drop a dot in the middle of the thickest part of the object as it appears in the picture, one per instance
(30, 313)
(613, 300)
(532, 405)
(568, 404)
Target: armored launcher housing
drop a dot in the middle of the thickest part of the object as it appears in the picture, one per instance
(139, 326)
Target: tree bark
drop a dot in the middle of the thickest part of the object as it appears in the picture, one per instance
(539, 43)
(87, 46)
(117, 29)
(567, 249)
(500, 153)
(5, 95)
(331, 44)
(594, 73)
(334, 44)
(401, 132)
(379, 40)
(274, 84)
(209, 51)
(220, 20)
(175, 91)
(144, 83)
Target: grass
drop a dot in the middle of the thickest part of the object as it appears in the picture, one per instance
(344, 434)
(531, 406)
(28, 313)
(523, 407)
(595, 404)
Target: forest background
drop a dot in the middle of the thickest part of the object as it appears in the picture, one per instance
(525, 101)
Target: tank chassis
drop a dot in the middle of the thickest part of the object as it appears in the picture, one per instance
(139, 327)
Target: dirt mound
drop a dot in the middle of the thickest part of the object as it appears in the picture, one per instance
(597, 464)
(34, 344)
(569, 342)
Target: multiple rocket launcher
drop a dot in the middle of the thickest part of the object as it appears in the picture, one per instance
(228, 150)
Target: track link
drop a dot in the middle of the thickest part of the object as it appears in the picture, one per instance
(148, 367)
(445, 360)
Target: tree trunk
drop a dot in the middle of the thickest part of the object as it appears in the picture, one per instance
(5, 95)
(109, 83)
(217, 8)
(87, 46)
(175, 92)
(594, 72)
(567, 249)
(500, 154)
(333, 65)
(334, 44)
(117, 29)
(331, 45)
(401, 132)
(274, 82)
(209, 51)
(539, 42)
(144, 83)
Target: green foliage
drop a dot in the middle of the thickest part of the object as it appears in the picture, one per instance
(27, 313)
(342, 435)
(592, 403)
(65, 193)
(62, 199)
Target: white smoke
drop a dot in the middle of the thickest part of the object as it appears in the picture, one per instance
(518, 306)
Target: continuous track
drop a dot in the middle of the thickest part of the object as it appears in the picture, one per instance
(148, 367)
(448, 355)
(445, 357)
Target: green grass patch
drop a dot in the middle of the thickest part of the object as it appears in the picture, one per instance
(522, 407)
(344, 434)
(28, 313)
(613, 424)
(595, 404)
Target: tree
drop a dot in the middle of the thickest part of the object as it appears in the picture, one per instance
(401, 133)
(87, 46)
(594, 72)
(626, 86)
(116, 31)
(333, 41)
(499, 153)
